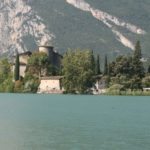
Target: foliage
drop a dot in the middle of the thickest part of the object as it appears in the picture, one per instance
(6, 83)
(128, 71)
(78, 71)
(148, 70)
(5, 70)
(115, 89)
(31, 83)
(98, 71)
(137, 63)
(38, 64)
(122, 66)
(136, 83)
(17, 68)
(19, 86)
(105, 66)
(146, 81)
(123, 76)
(7, 86)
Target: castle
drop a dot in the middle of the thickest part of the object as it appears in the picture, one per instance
(54, 58)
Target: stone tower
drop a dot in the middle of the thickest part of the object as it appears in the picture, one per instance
(49, 51)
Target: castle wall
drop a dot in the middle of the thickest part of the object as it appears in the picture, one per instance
(50, 85)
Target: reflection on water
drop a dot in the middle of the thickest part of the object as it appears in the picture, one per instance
(52, 122)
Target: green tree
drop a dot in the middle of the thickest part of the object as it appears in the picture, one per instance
(18, 86)
(136, 83)
(78, 71)
(5, 70)
(6, 77)
(137, 51)
(17, 68)
(122, 65)
(31, 83)
(138, 68)
(92, 60)
(38, 64)
(105, 66)
(146, 81)
(98, 71)
(148, 70)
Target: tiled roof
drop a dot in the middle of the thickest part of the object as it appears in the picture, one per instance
(52, 78)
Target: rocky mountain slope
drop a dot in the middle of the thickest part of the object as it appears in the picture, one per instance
(18, 24)
(104, 26)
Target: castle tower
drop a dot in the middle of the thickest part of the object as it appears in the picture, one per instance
(49, 51)
(54, 58)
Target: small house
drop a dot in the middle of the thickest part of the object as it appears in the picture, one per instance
(52, 84)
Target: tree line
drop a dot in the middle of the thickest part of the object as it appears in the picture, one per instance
(80, 69)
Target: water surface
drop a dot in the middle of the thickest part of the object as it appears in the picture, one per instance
(66, 122)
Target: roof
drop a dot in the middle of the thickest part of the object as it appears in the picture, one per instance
(52, 78)
(47, 46)
(28, 53)
(21, 64)
(25, 53)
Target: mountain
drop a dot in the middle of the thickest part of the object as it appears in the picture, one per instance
(104, 26)
(20, 27)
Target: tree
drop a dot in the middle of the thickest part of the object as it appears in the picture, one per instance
(38, 64)
(148, 70)
(31, 83)
(138, 68)
(17, 68)
(18, 86)
(122, 65)
(98, 65)
(136, 83)
(92, 59)
(6, 77)
(5, 70)
(146, 81)
(78, 71)
(105, 66)
(137, 51)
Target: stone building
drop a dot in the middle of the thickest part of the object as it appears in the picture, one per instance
(52, 84)
(54, 57)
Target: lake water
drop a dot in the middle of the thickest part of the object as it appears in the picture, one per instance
(65, 122)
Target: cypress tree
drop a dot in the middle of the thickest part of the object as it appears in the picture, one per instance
(137, 64)
(98, 65)
(105, 66)
(93, 61)
(148, 70)
(17, 68)
(138, 69)
(137, 52)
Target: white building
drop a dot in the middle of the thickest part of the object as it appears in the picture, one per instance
(52, 84)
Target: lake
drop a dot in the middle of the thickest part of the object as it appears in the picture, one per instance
(66, 122)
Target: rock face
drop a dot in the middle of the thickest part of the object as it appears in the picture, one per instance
(110, 21)
(18, 21)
